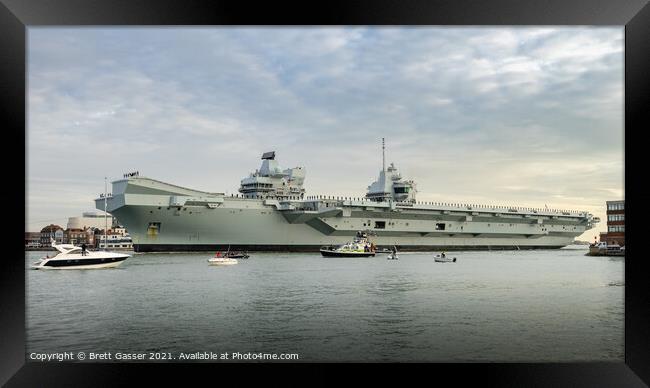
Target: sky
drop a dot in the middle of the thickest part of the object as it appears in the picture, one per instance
(507, 116)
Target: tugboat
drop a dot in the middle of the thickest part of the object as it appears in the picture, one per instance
(359, 247)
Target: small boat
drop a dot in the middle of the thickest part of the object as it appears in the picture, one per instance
(359, 247)
(233, 254)
(224, 258)
(604, 249)
(237, 255)
(442, 258)
(393, 254)
(73, 257)
(222, 261)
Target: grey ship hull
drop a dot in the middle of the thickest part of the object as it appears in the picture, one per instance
(315, 248)
(162, 217)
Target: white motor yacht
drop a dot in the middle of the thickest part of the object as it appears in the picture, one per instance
(222, 261)
(72, 257)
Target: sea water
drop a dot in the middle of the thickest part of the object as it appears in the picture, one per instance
(500, 306)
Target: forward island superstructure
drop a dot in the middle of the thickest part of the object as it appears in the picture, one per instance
(272, 213)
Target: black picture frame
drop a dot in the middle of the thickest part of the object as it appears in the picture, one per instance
(17, 15)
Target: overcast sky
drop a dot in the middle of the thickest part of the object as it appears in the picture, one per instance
(511, 116)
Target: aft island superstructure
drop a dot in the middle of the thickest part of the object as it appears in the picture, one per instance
(272, 213)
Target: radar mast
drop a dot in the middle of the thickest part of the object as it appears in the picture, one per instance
(383, 155)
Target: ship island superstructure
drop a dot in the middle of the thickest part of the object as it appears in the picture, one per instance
(272, 213)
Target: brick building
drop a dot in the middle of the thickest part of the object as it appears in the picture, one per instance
(615, 223)
(49, 232)
(79, 236)
(32, 239)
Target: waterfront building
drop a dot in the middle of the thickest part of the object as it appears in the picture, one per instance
(615, 223)
(90, 220)
(120, 230)
(78, 237)
(32, 239)
(49, 232)
(90, 237)
(114, 239)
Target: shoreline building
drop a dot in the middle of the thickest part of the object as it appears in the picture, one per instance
(89, 229)
(615, 223)
(78, 236)
(32, 239)
(81, 230)
(90, 220)
(116, 237)
(49, 232)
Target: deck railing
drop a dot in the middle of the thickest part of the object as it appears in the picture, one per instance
(492, 208)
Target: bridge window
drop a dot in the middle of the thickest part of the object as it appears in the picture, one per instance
(440, 226)
(380, 224)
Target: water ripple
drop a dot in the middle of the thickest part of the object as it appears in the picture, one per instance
(529, 306)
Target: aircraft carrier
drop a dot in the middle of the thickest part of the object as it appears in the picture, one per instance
(272, 213)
